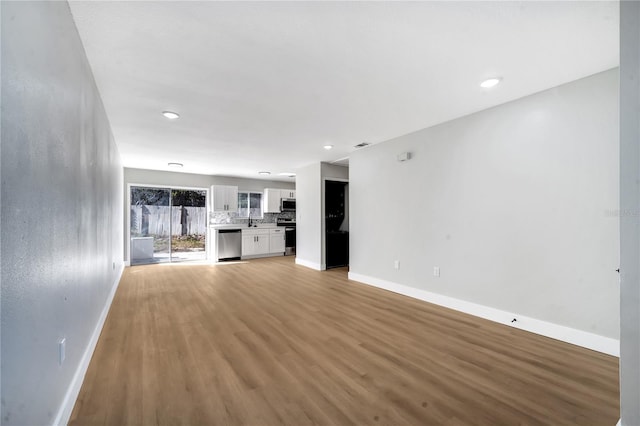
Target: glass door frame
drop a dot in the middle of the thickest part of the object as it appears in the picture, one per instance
(127, 207)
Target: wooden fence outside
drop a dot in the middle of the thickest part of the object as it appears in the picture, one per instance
(156, 220)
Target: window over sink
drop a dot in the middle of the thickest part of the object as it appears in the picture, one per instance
(250, 203)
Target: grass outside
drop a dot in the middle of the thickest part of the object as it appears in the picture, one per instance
(179, 243)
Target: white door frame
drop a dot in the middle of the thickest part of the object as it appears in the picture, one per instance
(207, 242)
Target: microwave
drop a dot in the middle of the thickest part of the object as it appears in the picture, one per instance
(288, 205)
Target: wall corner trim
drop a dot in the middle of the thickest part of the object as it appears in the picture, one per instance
(70, 397)
(587, 340)
(308, 264)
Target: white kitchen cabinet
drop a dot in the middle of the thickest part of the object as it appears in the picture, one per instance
(272, 197)
(255, 242)
(272, 200)
(288, 193)
(225, 198)
(276, 240)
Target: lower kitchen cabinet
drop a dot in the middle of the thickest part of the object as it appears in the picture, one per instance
(262, 242)
(255, 244)
(277, 241)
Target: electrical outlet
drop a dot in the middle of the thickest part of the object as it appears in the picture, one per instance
(436, 271)
(62, 349)
(396, 264)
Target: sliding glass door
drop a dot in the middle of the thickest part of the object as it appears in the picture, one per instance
(167, 225)
(189, 217)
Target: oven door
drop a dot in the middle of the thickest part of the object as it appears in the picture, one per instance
(289, 241)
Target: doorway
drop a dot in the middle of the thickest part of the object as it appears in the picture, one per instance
(336, 217)
(167, 225)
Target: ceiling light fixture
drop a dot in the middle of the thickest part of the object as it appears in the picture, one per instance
(488, 83)
(171, 115)
(264, 173)
(175, 165)
(328, 147)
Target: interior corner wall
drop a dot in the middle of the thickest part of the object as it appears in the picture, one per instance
(61, 210)
(309, 216)
(630, 209)
(517, 205)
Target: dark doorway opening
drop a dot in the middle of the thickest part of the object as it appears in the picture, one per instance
(336, 216)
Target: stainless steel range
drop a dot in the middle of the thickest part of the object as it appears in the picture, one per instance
(289, 235)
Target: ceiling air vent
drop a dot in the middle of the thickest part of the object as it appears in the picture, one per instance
(362, 145)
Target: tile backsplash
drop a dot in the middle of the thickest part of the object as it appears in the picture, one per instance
(218, 218)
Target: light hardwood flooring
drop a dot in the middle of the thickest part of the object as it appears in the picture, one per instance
(267, 342)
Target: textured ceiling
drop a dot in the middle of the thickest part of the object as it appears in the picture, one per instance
(264, 85)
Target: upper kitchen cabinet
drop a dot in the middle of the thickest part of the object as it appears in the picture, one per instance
(272, 200)
(288, 193)
(272, 197)
(225, 198)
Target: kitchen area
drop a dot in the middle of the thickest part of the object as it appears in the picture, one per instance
(247, 225)
(227, 218)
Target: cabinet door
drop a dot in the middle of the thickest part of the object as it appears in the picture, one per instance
(248, 245)
(231, 195)
(225, 198)
(262, 244)
(219, 198)
(287, 193)
(271, 200)
(276, 243)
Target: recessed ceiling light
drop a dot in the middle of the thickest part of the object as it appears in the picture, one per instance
(171, 115)
(328, 147)
(264, 173)
(175, 165)
(490, 82)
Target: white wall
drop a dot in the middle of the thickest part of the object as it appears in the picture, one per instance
(175, 179)
(630, 219)
(515, 204)
(309, 216)
(61, 212)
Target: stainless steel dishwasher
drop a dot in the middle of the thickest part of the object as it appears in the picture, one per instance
(229, 244)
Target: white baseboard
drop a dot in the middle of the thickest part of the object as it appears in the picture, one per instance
(570, 335)
(127, 263)
(619, 422)
(312, 265)
(260, 256)
(64, 413)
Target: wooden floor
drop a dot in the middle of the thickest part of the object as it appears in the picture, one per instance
(271, 343)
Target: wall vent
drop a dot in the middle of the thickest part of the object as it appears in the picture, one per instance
(362, 145)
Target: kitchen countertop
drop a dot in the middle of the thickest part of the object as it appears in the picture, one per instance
(243, 226)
